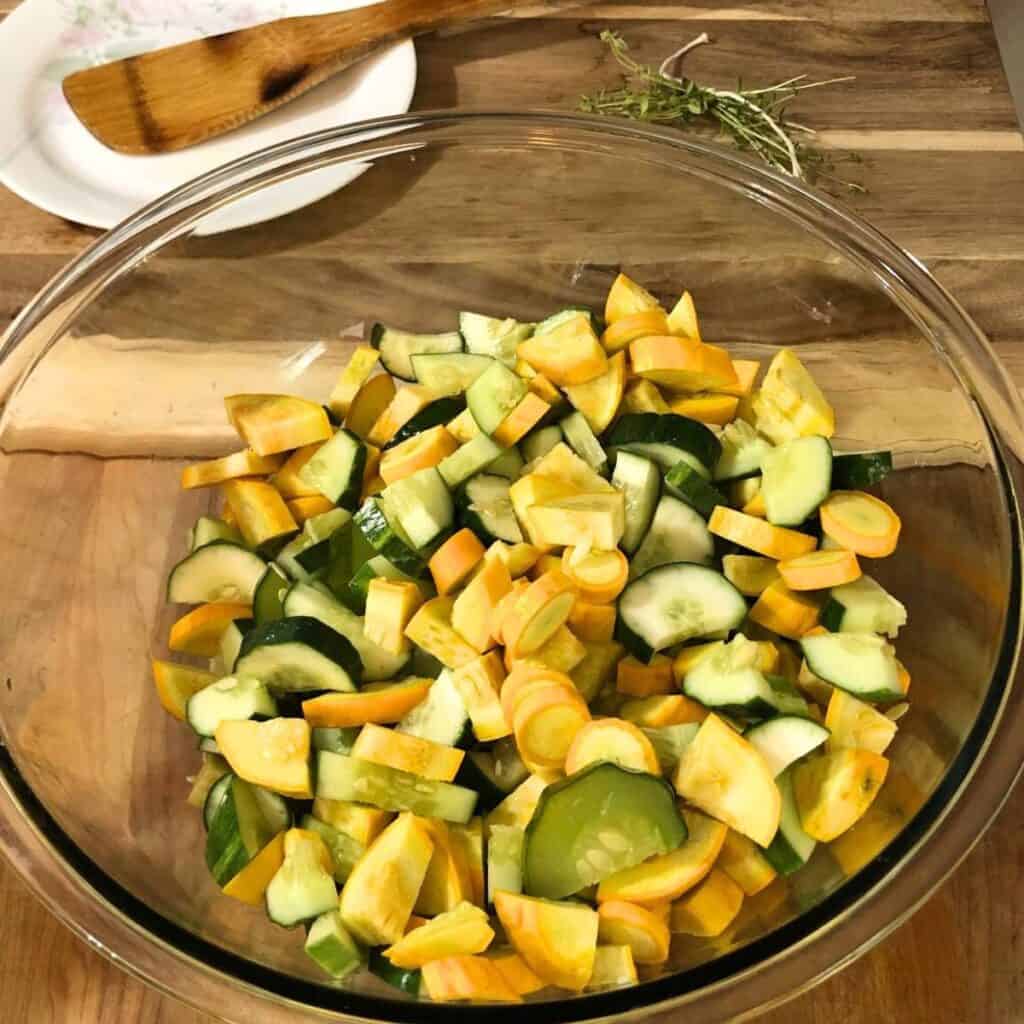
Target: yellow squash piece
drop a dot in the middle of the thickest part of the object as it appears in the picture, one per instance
(360, 821)
(545, 722)
(820, 570)
(259, 511)
(857, 725)
(421, 451)
(708, 909)
(216, 471)
(618, 335)
(357, 371)
(517, 808)
(788, 613)
(369, 404)
(790, 392)
(272, 754)
(569, 354)
(474, 609)
(199, 631)
(462, 931)
(389, 704)
(774, 542)
(540, 386)
(596, 671)
(561, 652)
(636, 679)
(378, 897)
(669, 875)
(615, 740)
(860, 523)
(521, 420)
(715, 409)
(746, 373)
(431, 628)
(742, 860)
(562, 463)
(448, 881)
(250, 884)
(599, 576)
(455, 560)
(835, 789)
(682, 321)
(629, 924)
(288, 480)
(627, 298)
(473, 979)
(595, 519)
(479, 682)
(464, 428)
(468, 841)
(406, 403)
(303, 509)
(751, 575)
(658, 711)
(518, 558)
(543, 607)
(721, 773)
(557, 940)
(599, 398)
(277, 423)
(643, 396)
(176, 683)
(517, 974)
(407, 753)
(682, 365)
(592, 623)
(390, 606)
(613, 968)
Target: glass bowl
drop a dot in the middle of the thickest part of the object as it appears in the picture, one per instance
(113, 376)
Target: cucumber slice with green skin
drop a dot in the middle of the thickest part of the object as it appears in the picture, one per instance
(237, 828)
(640, 482)
(404, 980)
(334, 551)
(435, 414)
(473, 457)
(788, 699)
(493, 395)
(310, 551)
(583, 442)
(556, 319)
(442, 717)
(449, 373)
(743, 451)
(337, 573)
(678, 533)
(231, 641)
(486, 508)
(348, 778)
(299, 654)
(792, 847)
(505, 860)
(860, 663)
(853, 471)
(597, 821)
(330, 946)
(727, 680)
(673, 603)
(489, 336)
(479, 772)
(302, 889)
(228, 700)
(785, 739)
(667, 438)
(863, 606)
(337, 739)
(388, 538)
(398, 347)
(337, 468)
(422, 504)
(796, 478)
(539, 442)
(509, 771)
(378, 664)
(268, 600)
(669, 742)
(684, 482)
(208, 529)
(217, 572)
(344, 850)
(288, 557)
(509, 464)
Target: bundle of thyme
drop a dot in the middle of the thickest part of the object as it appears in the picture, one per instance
(754, 119)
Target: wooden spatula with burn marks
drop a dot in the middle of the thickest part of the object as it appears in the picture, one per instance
(172, 98)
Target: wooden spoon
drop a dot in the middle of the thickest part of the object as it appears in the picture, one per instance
(175, 97)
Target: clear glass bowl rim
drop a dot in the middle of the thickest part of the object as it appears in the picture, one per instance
(764, 973)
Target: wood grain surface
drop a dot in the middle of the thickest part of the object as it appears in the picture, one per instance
(944, 165)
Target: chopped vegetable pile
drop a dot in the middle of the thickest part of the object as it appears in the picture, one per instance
(546, 646)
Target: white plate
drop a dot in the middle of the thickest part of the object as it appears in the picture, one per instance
(49, 158)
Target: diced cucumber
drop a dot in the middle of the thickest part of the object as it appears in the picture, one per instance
(336, 469)
(482, 772)
(331, 947)
(267, 602)
(743, 451)
(435, 414)
(727, 679)
(639, 480)
(684, 482)
(302, 888)
(442, 717)
(207, 530)
(792, 847)
(504, 860)
(228, 700)
(853, 471)
(217, 572)
(582, 441)
(597, 821)
(678, 533)
(785, 739)
(310, 551)
(348, 778)
(490, 336)
(378, 664)
(863, 606)
(674, 603)
(493, 395)
(344, 850)
(861, 663)
(231, 641)
(405, 980)
(335, 738)
(398, 347)
(237, 828)
(449, 373)
(486, 508)
(471, 458)
(669, 742)
(298, 654)
(667, 439)
(539, 442)
(559, 318)
(216, 795)
(509, 464)
(795, 479)
(422, 504)
(386, 536)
